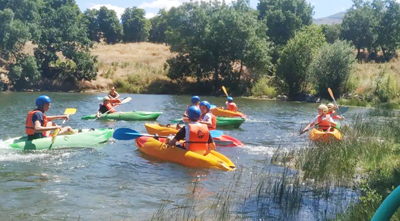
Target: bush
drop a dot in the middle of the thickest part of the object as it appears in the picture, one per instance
(331, 67)
(264, 87)
(25, 73)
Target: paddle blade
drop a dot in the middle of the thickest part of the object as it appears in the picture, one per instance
(331, 93)
(342, 110)
(224, 89)
(70, 111)
(216, 133)
(126, 134)
(126, 100)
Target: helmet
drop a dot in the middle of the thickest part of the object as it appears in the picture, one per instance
(206, 103)
(195, 99)
(106, 98)
(42, 99)
(330, 105)
(323, 107)
(193, 113)
(230, 99)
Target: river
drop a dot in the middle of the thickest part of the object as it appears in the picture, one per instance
(114, 181)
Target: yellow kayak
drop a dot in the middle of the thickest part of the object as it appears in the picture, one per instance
(158, 149)
(325, 136)
(220, 112)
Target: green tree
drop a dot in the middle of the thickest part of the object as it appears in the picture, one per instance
(331, 32)
(136, 26)
(359, 26)
(25, 73)
(109, 25)
(296, 57)
(331, 67)
(159, 26)
(284, 17)
(90, 19)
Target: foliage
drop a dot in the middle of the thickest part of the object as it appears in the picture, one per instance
(284, 17)
(135, 26)
(331, 32)
(296, 57)
(331, 67)
(25, 73)
(109, 25)
(90, 19)
(264, 87)
(159, 26)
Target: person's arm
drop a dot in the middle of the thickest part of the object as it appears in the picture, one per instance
(179, 136)
(50, 118)
(310, 125)
(40, 128)
(207, 121)
(211, 143)
(116, 95)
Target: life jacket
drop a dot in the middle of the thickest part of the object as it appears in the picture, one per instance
(231, 106)
(109, 106)
(334, 117)
(324, 124)
(30, 127)
(197, 136)
(213, 125)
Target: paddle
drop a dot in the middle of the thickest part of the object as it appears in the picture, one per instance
(226, 92)
(333, 97)
(68, 111)
(125, 100)
(100, 98)
(129, 134)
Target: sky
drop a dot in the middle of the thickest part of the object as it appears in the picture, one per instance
(322, 8)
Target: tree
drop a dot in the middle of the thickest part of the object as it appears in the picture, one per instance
(284, 17)
(109, 25)
(159, 26)
(359, 26)
(136, 26)
(25, 73)
(331, 32)
(331, 67)
(90, 19)
(296, 57)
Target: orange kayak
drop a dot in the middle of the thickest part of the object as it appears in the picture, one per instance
(222, 141)
(325, 136)
(220, 112)
(158, 149)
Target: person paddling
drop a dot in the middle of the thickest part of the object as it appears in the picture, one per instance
(195, 100)
(38, 125)
(206, 116)
(323, 120)
(332, 110)
(230, 105)
(114, 97)
(196, 135)
(105, 107)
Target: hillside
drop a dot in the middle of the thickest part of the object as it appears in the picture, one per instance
(333, 19)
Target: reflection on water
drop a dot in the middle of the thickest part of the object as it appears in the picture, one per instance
(116, 181)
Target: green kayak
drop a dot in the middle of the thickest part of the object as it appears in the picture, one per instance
(224, 121)
(86, 138)
(133, 115)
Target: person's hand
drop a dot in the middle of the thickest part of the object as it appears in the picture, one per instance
(66, 117)
(57, 127)
(185, 119)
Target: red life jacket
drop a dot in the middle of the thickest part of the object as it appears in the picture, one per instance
(231, 106)
(324, 124)
(109, 106)
(30, 127)
(197, 136)
(213, 125)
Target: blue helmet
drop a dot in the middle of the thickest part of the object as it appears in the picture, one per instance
(206, 103)
(195, 99)
(230, 99)
(193, 113)
(42, 99)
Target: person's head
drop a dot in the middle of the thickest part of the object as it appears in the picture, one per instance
(113, 89)
(331, 107)
(193, 113)
(106, 99)
(195, 100)
(43, 102)
(205, 107)
(322, 109)
(230, 99)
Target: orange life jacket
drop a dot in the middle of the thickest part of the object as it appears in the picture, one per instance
(334, 117)
(213, 125)
(197, 136)
(109, 106)
(30, 127)
(324, 124)
(231, 106)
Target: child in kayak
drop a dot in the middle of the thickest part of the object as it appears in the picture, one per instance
(323, 120)
(206, 116)
(196, 135)
(332, 110)
(38, 125)
(195, 102)
(230, 105)
(106, 107)
(114, 97)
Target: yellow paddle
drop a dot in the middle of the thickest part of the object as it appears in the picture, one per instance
(224, 89)
(67, 112)
(333, 97)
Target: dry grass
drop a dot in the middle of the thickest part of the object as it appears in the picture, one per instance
(131, 67)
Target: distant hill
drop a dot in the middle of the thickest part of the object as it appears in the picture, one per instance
(333, 19)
